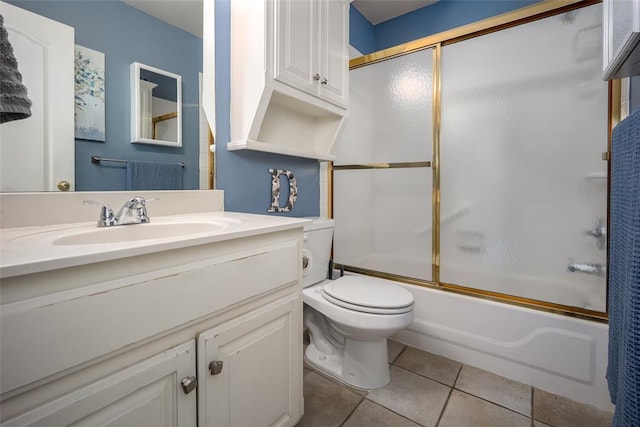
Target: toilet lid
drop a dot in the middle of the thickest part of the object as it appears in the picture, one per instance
(368, 294)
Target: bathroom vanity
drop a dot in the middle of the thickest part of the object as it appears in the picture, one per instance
(200, 326)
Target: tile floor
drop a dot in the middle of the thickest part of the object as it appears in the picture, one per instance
(432, 391)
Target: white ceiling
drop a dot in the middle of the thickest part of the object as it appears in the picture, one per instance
(377, 11)
(187, 14)
(184, 14)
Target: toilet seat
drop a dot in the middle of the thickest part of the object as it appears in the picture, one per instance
(368, 295)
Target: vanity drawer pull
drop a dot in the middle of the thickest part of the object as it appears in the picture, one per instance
(189, 384)
(215, 367)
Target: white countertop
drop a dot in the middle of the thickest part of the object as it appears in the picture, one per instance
(25, 250)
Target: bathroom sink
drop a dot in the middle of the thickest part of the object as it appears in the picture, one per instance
(134, 233)
(137, 232)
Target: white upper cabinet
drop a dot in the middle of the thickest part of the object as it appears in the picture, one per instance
(311, 47)
(289, 75)
(621, 48)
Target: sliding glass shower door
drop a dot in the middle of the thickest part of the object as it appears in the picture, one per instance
(382, 177)
(523, 184)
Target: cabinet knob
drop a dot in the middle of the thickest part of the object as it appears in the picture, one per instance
(324, 81)
(189, 384)
(316, 77)
(63, 185)
(215, 367)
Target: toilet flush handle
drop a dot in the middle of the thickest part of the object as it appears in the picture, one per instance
(307, 261)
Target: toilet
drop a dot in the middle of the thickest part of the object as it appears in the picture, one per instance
(349, 319)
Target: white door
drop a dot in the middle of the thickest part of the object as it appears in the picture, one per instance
(38, 152)
(148, 393)
(296, 44)
(250, 369)
(334, 54)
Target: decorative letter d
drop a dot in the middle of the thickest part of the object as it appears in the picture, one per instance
(275, 191)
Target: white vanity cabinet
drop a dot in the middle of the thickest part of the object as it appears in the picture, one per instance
(245, 368)
(621, 47)
(145, 394)
(128, 342)
(310, 48)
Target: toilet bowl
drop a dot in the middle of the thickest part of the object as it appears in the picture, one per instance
(349, 319)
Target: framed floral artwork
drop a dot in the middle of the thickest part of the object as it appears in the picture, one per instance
(89, 94)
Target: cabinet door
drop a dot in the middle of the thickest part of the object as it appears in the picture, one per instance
(148, 393)
(334, 51)
(259, 362)
(295, 44)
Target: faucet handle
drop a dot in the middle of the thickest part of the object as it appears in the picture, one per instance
(139, 203)
(107, 218)
(599, 231)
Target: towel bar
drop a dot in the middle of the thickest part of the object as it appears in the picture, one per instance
(97, 159)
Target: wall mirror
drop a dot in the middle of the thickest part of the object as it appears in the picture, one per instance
(128, 35)
(156, 106)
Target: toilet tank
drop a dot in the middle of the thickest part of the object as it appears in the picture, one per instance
(318, 237)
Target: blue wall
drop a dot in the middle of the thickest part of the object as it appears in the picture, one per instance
(127, 35)
(244, 175)
(441, 16)
(361, 32)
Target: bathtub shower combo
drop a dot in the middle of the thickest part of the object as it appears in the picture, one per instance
(478, 164)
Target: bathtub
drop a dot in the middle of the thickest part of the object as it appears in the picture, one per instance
(559, 354)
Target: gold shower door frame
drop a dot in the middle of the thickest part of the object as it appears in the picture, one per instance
(435, 42)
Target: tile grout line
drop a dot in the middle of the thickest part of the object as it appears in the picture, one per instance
(451, 388)
(354, 410)
(391, 410)
(494, 403)
(533, 390)
(399, 354)
(429, 378)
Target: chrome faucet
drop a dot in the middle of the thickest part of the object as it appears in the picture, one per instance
(599, 232)
(588, 268)
(134, 211)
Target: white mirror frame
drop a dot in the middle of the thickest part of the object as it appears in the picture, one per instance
(136, 121)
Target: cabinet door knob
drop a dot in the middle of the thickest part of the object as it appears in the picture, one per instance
(189, 384)
(215, 367)
(324, 81)
(316, 77)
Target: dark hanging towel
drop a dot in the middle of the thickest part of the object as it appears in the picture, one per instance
(143, 175)
(623, 371)
(14, 103)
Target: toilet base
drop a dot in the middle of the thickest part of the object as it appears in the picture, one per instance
(361, 364)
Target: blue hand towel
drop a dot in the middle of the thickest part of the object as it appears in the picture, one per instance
(623, 371)
(153, 176)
